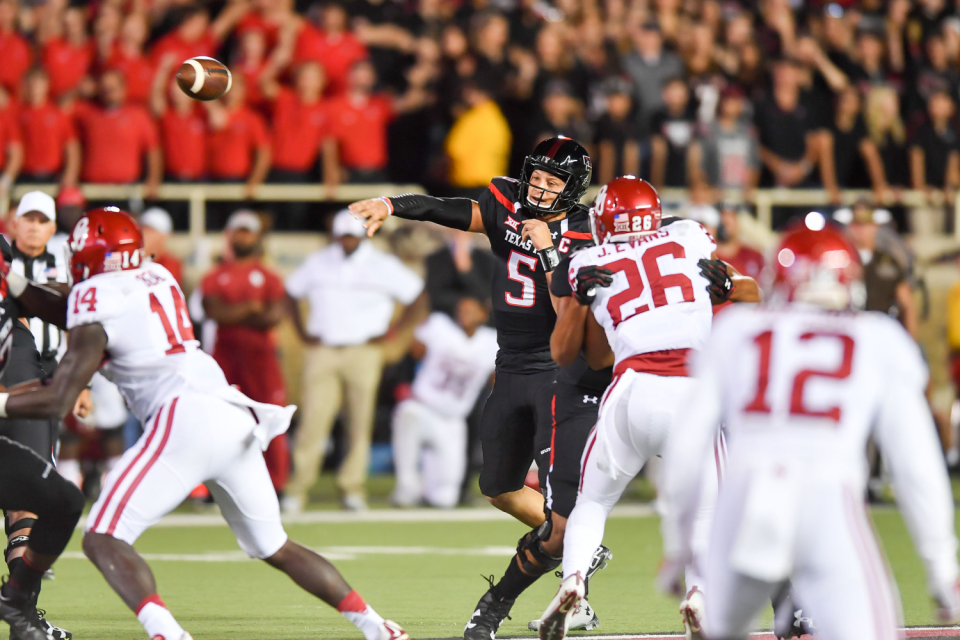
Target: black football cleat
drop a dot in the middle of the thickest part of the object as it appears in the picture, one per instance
(23, 623)
(53, 632)
(486, 620)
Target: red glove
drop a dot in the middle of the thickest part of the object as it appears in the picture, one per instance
(4, 267)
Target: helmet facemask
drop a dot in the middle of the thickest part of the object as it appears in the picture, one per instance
(566, 198)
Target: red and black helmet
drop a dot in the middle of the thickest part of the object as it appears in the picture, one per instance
(562, 157)
(104, 240)
(625, 209)
(817, 264)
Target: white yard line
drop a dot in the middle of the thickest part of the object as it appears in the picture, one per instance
(331, 553)
(910, 632)
(477, 514)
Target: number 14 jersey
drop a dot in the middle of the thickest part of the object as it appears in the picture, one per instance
(658, 300)
(152, 355)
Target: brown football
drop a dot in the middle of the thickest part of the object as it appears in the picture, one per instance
(204, 78)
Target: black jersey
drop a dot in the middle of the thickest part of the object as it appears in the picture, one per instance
(522, 310)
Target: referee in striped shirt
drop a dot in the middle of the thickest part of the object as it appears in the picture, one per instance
(33, 226)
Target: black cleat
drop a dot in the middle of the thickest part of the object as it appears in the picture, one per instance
(53, 632)
(23, 623)
(601, 557)
(488, 617)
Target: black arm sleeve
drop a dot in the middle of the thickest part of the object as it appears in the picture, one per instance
(456, 213)
(560, 285)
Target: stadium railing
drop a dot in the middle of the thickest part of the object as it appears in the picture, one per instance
(197, 195)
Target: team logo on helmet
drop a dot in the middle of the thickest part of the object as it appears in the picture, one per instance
(80, 233)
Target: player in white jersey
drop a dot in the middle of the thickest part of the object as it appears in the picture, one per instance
(430, 427)
(128, 318)
(644, 286)
(801, 383)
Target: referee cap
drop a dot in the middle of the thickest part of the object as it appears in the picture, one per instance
(40, 202)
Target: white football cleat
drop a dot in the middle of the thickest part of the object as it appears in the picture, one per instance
(584, 618)
(692, 611)
(390, 630)
(555, 621)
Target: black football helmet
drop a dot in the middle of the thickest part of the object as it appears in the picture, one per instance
(562, 157)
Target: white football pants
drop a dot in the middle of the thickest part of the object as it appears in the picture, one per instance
(636, 416)
(830, 554)
(421, 436)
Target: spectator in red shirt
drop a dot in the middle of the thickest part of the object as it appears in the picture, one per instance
(300, 124)
(195, 35)
(68, 56)
(333, 46)
(14, 49)
(51, 152)
(182, 126)
(127, 57)
(246, 299)
(157, 225)
(252, 64)
(11, 147)
(238, 148)
(359, 124)
(116, 136)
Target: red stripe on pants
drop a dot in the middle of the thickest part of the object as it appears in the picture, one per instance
(143, 472)
(113, 489)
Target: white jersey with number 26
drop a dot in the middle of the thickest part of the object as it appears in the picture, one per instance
(152, 354)
(658, 300)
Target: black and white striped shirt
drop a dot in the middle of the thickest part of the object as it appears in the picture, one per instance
(43, 268)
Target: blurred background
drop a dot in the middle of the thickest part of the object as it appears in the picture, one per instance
(745, 115)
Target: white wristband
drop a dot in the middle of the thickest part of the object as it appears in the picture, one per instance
(3, 404)
(16, 283)
(389, 204)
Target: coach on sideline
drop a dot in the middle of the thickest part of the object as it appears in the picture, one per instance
(352, 288)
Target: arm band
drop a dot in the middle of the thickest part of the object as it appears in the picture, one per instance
(16, 283)
(549, 258)
(456, 213)
(3, 404)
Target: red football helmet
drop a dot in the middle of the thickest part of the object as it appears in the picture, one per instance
(625, 209)
(816, 263)
(103, 240)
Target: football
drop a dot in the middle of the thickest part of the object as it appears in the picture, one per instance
(204, 78)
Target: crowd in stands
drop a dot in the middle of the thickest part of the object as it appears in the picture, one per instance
(447, 93)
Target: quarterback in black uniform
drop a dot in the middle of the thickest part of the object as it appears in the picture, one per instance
(531, 223)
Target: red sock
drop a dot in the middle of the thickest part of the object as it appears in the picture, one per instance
(352, 602)
(155, 599)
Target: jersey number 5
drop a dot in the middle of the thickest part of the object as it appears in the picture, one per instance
(659, 283)
(764, 343)
(184, 330)
(528, 294)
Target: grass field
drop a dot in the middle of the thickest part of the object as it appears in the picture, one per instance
(426, 575)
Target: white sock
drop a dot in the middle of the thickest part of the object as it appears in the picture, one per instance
(584, 534)
(368, 621)
(70, 469)
(158, 621)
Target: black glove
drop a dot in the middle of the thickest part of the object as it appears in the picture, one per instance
(721, 285)
(588, 279)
